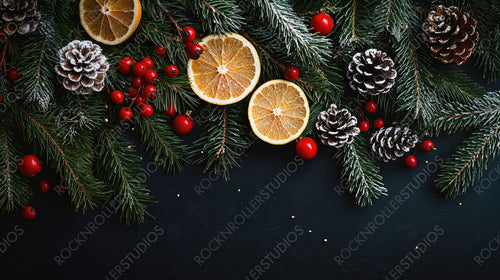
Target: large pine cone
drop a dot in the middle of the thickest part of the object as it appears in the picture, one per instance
(18, 16)
(336, 127)
(82, 67)
(450, 34)
(371, 72)
(392, 142)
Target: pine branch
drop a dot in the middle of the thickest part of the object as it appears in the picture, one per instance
(217, 16)
(13, 188)
(161, 144)
(306, 48)
(354, 22)
(454, 85)
(224, 139)
(459, 117)
(391, 15)
(360, 171)
(74, 165)
(469, 161)
(120, 169)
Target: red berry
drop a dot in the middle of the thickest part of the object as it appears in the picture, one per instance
(188, 34)
(125, 113)
(171, 71)
(138, 81)
(182, 124)
(170, 110)
(291, 73)
(364, 126)
(139, 100)
(411, 161)
(140, 69)
(125, 65)
(160, 51)
(306, 148)
(29, 166)
(132, 91)
(146, 110)
(378, 123)
(14, 75)
(148, 62)
(188, 45)
(322, 24)
(194, 51)
(151, 76)
(116, 96)
(44, 186)
(29, 213)
(428, 145)
(149, 91)
(371, 107)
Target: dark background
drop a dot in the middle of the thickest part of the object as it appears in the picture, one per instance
(190, 221)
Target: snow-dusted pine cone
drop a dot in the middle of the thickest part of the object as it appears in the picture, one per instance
(371, 72)
(390, 143)
(450, 34)
(336, 127)
(82, 67)
(18, 16)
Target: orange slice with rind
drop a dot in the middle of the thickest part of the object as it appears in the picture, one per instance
(227, 70)
(110, 22)
(278, 112)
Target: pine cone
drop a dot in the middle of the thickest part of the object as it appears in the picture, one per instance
(450, 34)
(336, 127)
(392, 142)
(18, 16)
(371, 72)
(82, 67)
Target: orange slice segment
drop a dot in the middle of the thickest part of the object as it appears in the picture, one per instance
(110, 22)
(278, 112)
(227, 70)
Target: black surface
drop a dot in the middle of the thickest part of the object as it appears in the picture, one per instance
(185, 225)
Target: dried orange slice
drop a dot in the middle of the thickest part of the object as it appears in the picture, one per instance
(227, 70)
(278, 112)
(110, 22)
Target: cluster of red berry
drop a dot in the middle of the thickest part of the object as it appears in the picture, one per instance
(427, 146)
(193, 50)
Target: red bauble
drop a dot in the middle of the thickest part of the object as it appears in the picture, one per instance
(29, 213)
(125, 113)
(371, 107)
(138, 81)
(151, 76)
(117, 96)
(140, 69)
(149, 91)
(171, 71)
(14, 75)
(170, 110)
(194, 51)
(29, 166)
(148, 62)
(364, 126)
(428, 146)
(160, 51)
(322, 24)
(146, 110)
(306, 148)
(378, 123)
(132, 91)
(291, 73)
(125, 65)
(182, 124)
(411, 161)
(44, 186)
(188, 34)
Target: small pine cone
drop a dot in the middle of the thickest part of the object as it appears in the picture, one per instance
(390, 143)
(18, 16)
(82, 67)
(371, 72)
(336, 127)
(450, 34)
